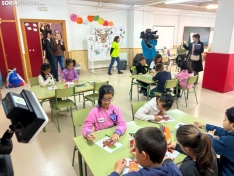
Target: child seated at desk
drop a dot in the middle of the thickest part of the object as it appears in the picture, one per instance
(150, 149)
(155, 107)
(157, 60)
(45, 78)
(104, 115)
(201, 158)
(224, 145)
(142, 68)
(162, 76)
(70, 74)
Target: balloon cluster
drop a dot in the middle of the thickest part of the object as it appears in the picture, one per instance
(90, 19)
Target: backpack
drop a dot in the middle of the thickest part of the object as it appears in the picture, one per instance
(14, 79)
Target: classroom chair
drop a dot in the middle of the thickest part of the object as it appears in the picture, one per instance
(33, 81)
(135, 107)
(94, 96)
(170, 84)
(78, 119)
(191, 80)
(66, 103)
(139, 85)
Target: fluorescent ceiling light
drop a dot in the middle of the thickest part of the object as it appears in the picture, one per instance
(212, 6)
(176, 1)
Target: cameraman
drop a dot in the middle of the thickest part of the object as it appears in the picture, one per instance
(148, 45)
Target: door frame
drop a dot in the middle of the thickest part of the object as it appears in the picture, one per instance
(23, 20)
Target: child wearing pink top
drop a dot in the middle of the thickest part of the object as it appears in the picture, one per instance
(105, 115)
(185, 73)
(70, 74)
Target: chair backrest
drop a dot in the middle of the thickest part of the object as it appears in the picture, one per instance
(165, 59)
(133, 70)
(171, 83)
(136, 106)
(33, 81)
(78, 117)
(192, 79)
(98, 85)
(66, 92)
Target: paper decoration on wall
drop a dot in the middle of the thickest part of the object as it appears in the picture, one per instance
(29, 28)
(35, 29)
(73, 17)
(34, 25)
(79, 20)
(90, 19)
(103, 33)
(26, 24)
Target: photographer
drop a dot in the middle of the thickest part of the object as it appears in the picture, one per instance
(148, 44)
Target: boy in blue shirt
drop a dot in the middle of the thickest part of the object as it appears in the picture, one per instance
(162, 76)
(150, 147)
(224, 145)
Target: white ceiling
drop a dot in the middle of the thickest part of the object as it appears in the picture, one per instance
(198, 5)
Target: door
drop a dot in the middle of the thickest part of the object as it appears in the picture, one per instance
(6, 12)
(3, 67)
(34, 47)
(12, 47)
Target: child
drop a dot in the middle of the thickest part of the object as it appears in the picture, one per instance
(105, 115)
(162, 76)
(150, 147)
(155, 107)
(185, 73)
(225, 144)
(45, 78)
(201, 158)
(70, 74)
(157, 60)
(142, 68)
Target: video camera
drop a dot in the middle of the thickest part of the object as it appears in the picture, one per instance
(148, 35)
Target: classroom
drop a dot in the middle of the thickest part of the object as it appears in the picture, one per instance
(164, 107)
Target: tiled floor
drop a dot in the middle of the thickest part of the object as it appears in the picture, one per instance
(50, 154)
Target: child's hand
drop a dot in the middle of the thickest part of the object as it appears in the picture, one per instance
(199, 124)
(63, 81)
(157, 118)
(161, 113)
(140, 74)
(133, 151)
(115, 137)
(168, 157)
(171, 145)
(90, 137)
(120, 165)
(212, 133)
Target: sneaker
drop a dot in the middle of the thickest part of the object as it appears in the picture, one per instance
(109, 73)
(120, 72)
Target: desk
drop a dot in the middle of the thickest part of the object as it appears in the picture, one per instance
(101, 162)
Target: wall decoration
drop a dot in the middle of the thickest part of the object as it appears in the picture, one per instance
(203, 31)
(90, 19)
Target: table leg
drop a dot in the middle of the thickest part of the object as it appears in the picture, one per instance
(131, 90)
(148, 92)
(44, 129)
(80, 164)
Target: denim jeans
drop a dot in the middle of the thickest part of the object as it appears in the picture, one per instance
(113, 59)
(57, 59)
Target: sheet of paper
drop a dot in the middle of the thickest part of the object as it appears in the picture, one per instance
(109, 150)
(92, 82)
(179, 125)
(174, 154)
(126, 170)
(147, 75)
(52, 88)
(170, 118)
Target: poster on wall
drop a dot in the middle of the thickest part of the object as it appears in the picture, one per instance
(203, 31)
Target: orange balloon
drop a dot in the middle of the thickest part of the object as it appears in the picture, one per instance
(90, 18)
(79, 20)
(110, 23)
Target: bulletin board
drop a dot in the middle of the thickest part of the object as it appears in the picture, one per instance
(166, 36)
(204, 33)
(100, 41)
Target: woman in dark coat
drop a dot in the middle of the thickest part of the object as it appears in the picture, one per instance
(47, 47)
(196, 65)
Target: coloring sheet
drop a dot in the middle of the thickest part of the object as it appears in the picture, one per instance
(166, 118)
(52, 88)
(106, 145)
(179, 125)
(174, 154)
(128, 160)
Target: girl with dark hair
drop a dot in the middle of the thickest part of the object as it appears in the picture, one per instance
(115, 55)
(104, 115)
(45, 78)
(185, 73)
(196, 65)
(70, 74)
(201, 158)
(157, 60)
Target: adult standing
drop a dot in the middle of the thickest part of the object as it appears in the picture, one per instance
(48, 52)
(196, 65)
(149, 48)
(57, 48)
(115, 55)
